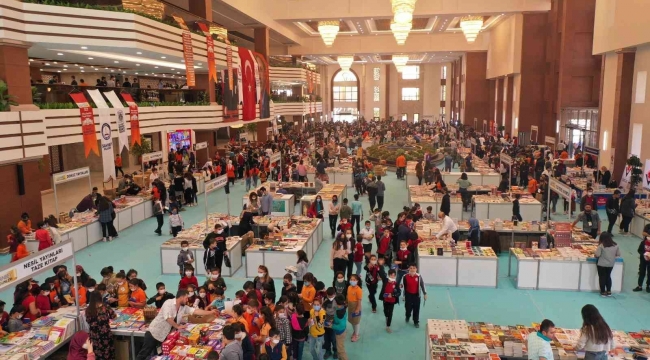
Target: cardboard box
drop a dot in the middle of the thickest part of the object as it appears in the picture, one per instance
(201, 319)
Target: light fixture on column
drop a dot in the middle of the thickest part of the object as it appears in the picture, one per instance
(400, 61)
(471, 26)
(345, 61)
(328, 31)
(403, 10)
(400, 31)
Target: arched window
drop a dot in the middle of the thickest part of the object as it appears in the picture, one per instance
(345, 96)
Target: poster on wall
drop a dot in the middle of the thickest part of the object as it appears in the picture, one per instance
(209, 43)
(105, 133)
(188, 51)
(230, 97)
(626, 178)
(134, 118)
(87, 123)
(265, 86)
(247, 65)
(646, 175)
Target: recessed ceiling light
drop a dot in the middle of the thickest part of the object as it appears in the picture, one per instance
(31, 59)
(136, 73)
(41, 69)
(178, 72)
(105, 68)
(139, 53)
(200, 64)
(117, 62)
(84, 47)
(58, 71)
(163, 57)
(60, 54)
(147, 74)
(156, 67)
(83, 71)
(65, 66)
(54, 62)
(47, 64)
(90, 58)
(65, 69)
(81, 67)
(112, 70)
(137, 64)
(182, 61)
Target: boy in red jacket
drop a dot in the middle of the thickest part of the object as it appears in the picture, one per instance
(344, 225)
(390, 293)
(403, 258)
(384, 244)
(188, 279)
(358, 254)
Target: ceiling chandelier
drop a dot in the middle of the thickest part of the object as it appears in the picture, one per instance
(400, 61)
(328, 31)
(403, 10)
(471, 26)
(345, 61)
(400, 31)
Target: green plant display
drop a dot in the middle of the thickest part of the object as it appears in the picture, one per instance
(636, 165)
(144, 147)
(390, 151)
(6, 100)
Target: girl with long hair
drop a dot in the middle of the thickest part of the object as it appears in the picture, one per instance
(595, 335)
(98, 317)
(607, 252)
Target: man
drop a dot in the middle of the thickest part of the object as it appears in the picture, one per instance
(381, 188)
(613, 208)
(448, 227)
(539, 343)
(74, 81)
(168, 317)
(111, 81)
(346, 211)
(588, 199)
(126, 82)
(318, 184)
(448, 160)
(135, 84)
(266, 201)
(233, 349)
(412, 284)
(88, 202)
(590, 221)
(400, 163)
(118, 164)
(605, 176)
(532, 185)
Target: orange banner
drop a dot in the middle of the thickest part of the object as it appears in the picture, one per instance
(229, 63)
(188, 54)
(310, 81)
(87, 123)
(134, 118)
(212, 67)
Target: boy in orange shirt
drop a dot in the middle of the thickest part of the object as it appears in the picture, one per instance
(82, 293)
(308, 292)
(251, 317)
(532, 185)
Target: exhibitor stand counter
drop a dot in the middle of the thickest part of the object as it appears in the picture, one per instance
(458, 339)
(281, 247)
(460, 265)
(283, 204)
(492, 207)
(426, 197)
(194, 235)
(484, 177)
(641, 217)
(326, 194)
(341, 174)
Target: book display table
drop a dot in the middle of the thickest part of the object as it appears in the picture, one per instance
(326, 194)
(492, 207)
(462, 265)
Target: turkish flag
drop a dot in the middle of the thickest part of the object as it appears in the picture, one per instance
(249, 103)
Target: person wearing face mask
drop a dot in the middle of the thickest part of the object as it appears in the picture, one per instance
(613, 209)
(316, 329)
(644, 260)
(283, 325)
(43, 299)
(15, 323)
(373, 273)
(316, 209)
(138, 298)
(43, 236)
(253, 203)
(329, 341)
(367, 237)
(339, 255)
(355, 297)
(214, 281)
(628, 206)
(263, 280)
(590, 221)
(185, 257)
(403, 259)
(350, 250)
(220, 250)
(161, 296)
(218, 301)
(588, 199)
(168, 318)
(288, 286)
(334, 208)
(245, 341)
(413, 285)
(449, 227)
(345, 212)
(308, 293)
(98, 318)
(189, 279)
(389, 295)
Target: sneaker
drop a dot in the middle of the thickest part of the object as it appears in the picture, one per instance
(104, 239)
(417, 325)
(110, 238)
(637, 289)
(374, 311)
(327, 355)
(388, 329)
(603, 294)
(408, 318)
(335, 356)
(354, 338)
(609, 294)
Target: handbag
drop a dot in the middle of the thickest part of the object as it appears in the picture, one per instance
(226, 261)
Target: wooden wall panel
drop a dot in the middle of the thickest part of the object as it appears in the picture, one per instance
(622, 109)
(492, 96)
(533, 65)
(477, 91)
(498, 117)
(15, 204)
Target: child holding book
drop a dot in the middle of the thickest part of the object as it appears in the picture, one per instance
(15, 323)
(218, 302)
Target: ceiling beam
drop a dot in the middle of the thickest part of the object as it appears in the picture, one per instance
(303, 10)
(385, 44)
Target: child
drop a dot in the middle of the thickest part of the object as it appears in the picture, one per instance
(175, 222)
(203, 300)
(329, 305)
(43, 300)
(390, 294)
(301, 268)
(210, 255)
(4, 316)
(239, 297)
(339, 326)
(340, 284)
(215, 280)
(372, 279)
(358, 254)
(284, 327)
(308, 292)
(403, 259)
(429, 214)
(43, 236)
(106, 296)
(138, 298)
(288, 287)
(299, 326)
(15, 323)
(218, 302)
(185, 257)
(246, 343)
(274, 347)
(189, 278)
(192, 296)
(320, 290)
(269, 300)
(160, 297)
(251, 317)
(344, 225)
(384, 244)
(316, 330)
(516, 215)
(355, 295)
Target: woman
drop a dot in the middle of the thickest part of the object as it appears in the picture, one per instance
(301, 268)
(440, 183)
(334, 214)
(32, 312)
(188, 192)
(596, 337)
(105, 209)
(474, 234)
(419, 172)
(339, 255)
(463, 189)
(607, 252)
(316, 209)
(98, 318)
(627, 211)
(12, 240)
(230, 172)
(302, 171)
(81, 348)
(21, 248)
(253, 203)
(263, 278)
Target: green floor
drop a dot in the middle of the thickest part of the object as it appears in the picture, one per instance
(138, 247)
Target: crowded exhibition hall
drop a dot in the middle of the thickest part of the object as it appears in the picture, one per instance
(299, 179)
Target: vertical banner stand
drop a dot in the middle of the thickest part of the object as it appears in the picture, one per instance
(66, 176)
(211, 186)
(200, 146)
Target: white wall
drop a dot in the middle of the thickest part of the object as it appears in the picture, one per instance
(640, 112)
(504, 51)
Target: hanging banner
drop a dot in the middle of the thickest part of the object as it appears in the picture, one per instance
(626, 178)
(240, 86)
(120, 119)
(646, 175)
(152, 156)
(216, 184)
(592, 150)
(505, 158)
(275, 157)
(76, 174)
(201, 145)
(212, 66)
(188, 51)
(265, 86)
(310, 82)
(106, 133)
(87, 123)
(549, 140)
(560, 188)
(230, 98)
(134, 118)
(247, 65)
(29, 267)
(229, 65)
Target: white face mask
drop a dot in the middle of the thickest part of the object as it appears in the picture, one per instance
(239, 335)
(391, 279)
(340, 280)
(91, 289)
(261, 274)
(214, 276)
(373, 262)
(348, 236)
(402, 248)
(85, 346)
(188, 273)
(275, 341)
(78, 274)
(46, 293)
(202, 295)
(282, 315)
(412, 273)
(184, 248)
(162, 291)
(190, 293)
(219, 231)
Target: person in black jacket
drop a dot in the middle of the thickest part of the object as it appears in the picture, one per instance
(644, 262)
(162, 296)
(219, 235)
(246, 343)
(372, 279)
(516, 214)
(445, 203)
(613, 208)
(503, 185)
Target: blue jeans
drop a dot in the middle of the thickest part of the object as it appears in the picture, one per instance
(297, 349)
(316, 347)
(248, 183)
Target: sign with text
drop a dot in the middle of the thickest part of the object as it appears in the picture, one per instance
(560, 188)
(275, 157)
(76, 174)
(312, 141)
(201, 146)
(216, 184)
(592, 151)
(154, 156)
(30, 266)
(505, 158)
(549, 139)
(87, 123)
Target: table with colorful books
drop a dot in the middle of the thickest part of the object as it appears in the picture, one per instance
(458, 339)
(326, 194)
(283, 204)
(280, 248)
(341, 174)
(195, 235)
(423, 195)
